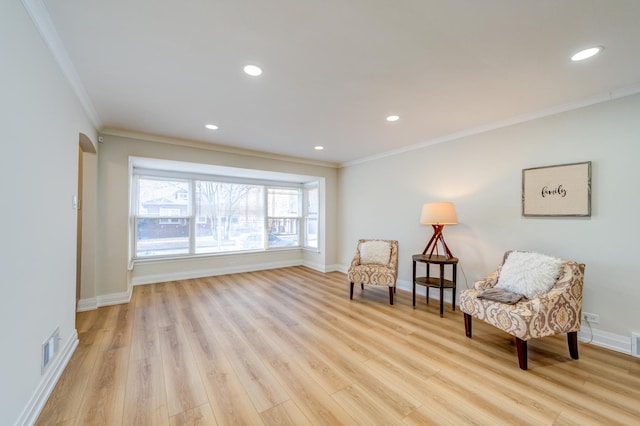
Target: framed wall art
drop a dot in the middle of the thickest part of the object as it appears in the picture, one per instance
(560, 190)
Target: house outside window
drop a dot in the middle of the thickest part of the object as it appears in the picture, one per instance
(311, 201)
(283, 220)
(232, 213)
(196, 215)
(162, 217)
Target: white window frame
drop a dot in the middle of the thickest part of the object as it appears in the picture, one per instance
(315, 185)
(298, 217)
(193, 220)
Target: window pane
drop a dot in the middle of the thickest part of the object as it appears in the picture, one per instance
(283, 231)
(312, 232)
(161, 237)
(283, 223)
(312, 208)
(179, 215)
(162, 198)
(230, 217)
(163, 228)
(283, 202)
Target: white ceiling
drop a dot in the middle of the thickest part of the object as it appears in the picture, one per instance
(334, 69)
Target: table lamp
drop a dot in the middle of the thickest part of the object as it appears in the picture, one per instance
(438, 215)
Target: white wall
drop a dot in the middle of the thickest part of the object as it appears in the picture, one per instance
(482, 175)
(89, 204)
(41, 121)
(113, 206)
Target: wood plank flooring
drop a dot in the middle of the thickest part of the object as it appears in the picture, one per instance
(288, 347)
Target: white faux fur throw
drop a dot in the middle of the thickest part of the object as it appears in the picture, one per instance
(529, 274)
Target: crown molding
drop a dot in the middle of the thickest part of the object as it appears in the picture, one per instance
(132, 134)
(42, 21)
(582, 103)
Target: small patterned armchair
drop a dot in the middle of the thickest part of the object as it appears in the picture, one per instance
(375, 263)
(556, 311)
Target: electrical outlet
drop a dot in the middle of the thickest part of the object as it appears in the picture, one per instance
(591, 318)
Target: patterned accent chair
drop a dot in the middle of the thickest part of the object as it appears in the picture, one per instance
(556, 311)
(375, 263)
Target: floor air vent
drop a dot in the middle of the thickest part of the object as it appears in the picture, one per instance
(50, 348)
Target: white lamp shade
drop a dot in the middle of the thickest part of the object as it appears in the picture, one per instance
(438, 214)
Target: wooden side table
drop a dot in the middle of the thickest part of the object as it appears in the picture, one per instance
(439, 282)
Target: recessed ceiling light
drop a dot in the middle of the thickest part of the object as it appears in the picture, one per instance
(586, 53)
(393, 118)
(211, 126)
(253, 70)
(318, 147)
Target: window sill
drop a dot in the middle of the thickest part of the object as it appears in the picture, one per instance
(188, 257)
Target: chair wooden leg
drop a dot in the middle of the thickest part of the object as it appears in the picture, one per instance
(391, 295)
(572, 339)
(521, 346)
(361, 286)
(351, 292)
(467, 325)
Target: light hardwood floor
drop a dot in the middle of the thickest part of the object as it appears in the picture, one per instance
(287, 346)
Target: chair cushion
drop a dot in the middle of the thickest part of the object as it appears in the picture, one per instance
(529, 274)
(378, 252)
(500, 295)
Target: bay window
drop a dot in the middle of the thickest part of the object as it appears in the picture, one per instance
(179, 214)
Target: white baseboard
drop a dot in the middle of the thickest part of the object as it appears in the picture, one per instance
(32, 410)
(603, 339)
(600, 338)
(104, 300)
(114, 298)
(87, 304)
(321, 267)
(201, 273)
(342, 268)
(333, 268)
(315, 266)
(433, 293)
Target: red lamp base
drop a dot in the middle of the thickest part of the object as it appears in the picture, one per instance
(433, 243)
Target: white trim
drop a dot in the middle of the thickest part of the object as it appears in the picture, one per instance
(434, 294)
(635, 344)
(600, 338)
(33, 408)
(315, 266)
(42, 21)
(104, 300)
(320, 267)
(604, 339)
(114, 298)
(87, 304)
(406, 286)
(332, 268)
(149, 137)
(201, 273)
(603, 97)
